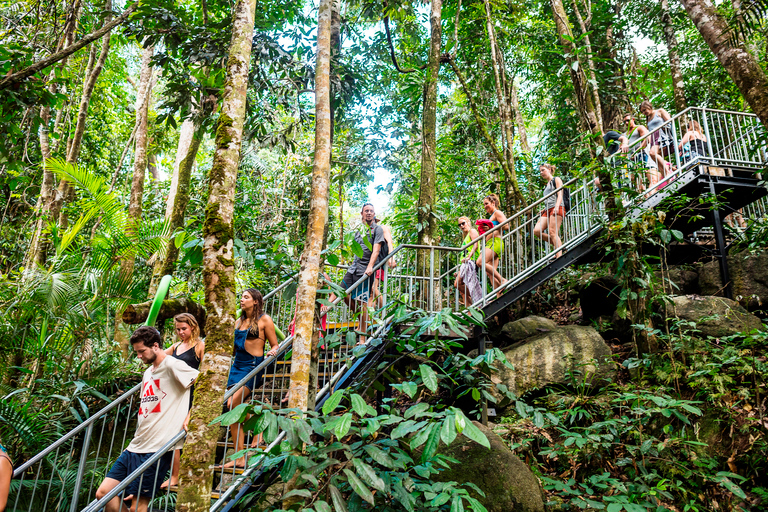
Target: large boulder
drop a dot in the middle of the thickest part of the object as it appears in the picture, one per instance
(749, 278)
(524, 328)
(599, 298)
(508, 484)
(682, 281)
(714, 316)
(550, 357)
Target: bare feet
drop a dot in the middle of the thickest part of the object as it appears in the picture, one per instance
(239, 463)
(172, 482)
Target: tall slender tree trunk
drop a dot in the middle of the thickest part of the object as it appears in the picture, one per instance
(522, 133)
(178, 204)
(46, 210)
(590, 62)
(303, 389)
(737, 61)
(427, 227)
(584, 99)
(137, 185)
(678, 85)
(66, 190)
(514, 197)
(196, 475)
(186, 133)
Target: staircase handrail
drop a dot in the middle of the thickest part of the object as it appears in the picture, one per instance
(82, 426)
(169, 446)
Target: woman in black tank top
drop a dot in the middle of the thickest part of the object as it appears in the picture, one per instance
(190, 350)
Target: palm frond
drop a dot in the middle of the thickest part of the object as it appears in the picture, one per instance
(112, 210)
(749, 19)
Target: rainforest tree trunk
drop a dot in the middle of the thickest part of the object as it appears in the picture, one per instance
(196, 476)
(167, 264)
(584, 100)
(427, 223)
(678, 86)
(590, 63)
(137, 186)
(514, 198)
(302, 389)
(737, 61)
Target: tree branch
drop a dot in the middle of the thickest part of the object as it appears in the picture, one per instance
(476, 113)
(392, 51)
(66, 52)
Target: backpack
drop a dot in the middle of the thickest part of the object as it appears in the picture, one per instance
(566, 197)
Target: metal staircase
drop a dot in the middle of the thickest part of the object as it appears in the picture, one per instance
(65, 475)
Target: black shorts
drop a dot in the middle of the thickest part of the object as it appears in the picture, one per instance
(363, 290)
(152, 478)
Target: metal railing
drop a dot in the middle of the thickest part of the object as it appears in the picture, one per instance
(67, 472)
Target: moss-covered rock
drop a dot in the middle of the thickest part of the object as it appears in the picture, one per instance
(524, 328)
(508, 484)
(714, 316)
(749, 278)
(552, 357)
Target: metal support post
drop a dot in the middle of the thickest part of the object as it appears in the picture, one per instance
(722, 250)
(483, 400)
(81, 468)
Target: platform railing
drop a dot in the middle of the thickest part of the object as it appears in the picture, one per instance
(720, 140)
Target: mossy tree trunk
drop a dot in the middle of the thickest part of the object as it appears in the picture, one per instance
(137, 184)
(589, 57)
(177, 202)
(584, 99)
(678, 86)
(196, 476)
(735, 58)
(303, 389)
(513, 195)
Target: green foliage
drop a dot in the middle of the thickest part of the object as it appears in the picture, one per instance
(357, 456)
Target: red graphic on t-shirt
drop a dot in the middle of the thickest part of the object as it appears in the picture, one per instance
(151, 397)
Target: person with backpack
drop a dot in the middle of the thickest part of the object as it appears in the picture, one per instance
(555, 208)
(363, 266)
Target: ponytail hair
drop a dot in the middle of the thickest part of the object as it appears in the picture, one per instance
(494, 199)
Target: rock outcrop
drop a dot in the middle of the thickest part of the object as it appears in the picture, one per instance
(714, 316)
(554, 358)
(508, 484)
(749, 278)
(512, 332)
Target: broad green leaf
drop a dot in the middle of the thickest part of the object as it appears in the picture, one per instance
(309, 477)
(333, 401)
(441, 499)
(357, 249)
(409, 388)
(457, 505)
(461, 421)
(338, 500)
(474, 433)
(236, 415)
(403, 496)
(433, 440)
(380, 456)
(343, 426)
(369, 475)
(476, 505)
(614, 507)
(359, 405)
(429, 377)
(420, 438)
(322, 506)
(448, 432)
(359, 487)
(304, 493)
(416, 410)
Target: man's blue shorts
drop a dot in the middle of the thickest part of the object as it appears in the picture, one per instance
(153, 477)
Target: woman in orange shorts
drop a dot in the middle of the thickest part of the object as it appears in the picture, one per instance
(552, 216)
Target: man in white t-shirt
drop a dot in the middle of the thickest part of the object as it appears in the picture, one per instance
(162, 415)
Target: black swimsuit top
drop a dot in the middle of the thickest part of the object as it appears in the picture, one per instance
(189, 357)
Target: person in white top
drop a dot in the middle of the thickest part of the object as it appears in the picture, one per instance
(163, 412)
